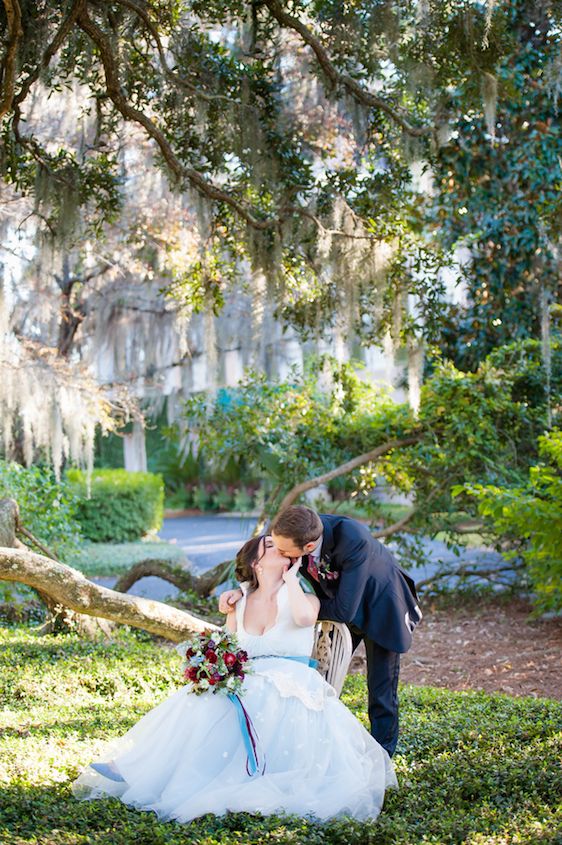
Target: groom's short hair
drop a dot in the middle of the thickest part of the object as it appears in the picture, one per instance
(300, 524)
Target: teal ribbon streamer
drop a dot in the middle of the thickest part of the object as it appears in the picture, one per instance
(255, 763)
(255, 759)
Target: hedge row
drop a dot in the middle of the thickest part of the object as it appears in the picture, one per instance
(121, 506)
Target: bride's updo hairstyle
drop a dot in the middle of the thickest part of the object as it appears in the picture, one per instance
(246, 558)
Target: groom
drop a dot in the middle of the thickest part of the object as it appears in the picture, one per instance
(358, 582)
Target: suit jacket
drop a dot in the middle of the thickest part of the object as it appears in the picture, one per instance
(372, 593)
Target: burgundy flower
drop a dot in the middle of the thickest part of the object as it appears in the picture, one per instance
(242, 656)
(229, 658)
(211, 656)
(191, 673)
(189, 653)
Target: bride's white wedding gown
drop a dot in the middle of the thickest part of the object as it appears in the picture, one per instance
(186, 757)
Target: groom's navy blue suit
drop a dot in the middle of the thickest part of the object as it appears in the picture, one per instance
(378, 602)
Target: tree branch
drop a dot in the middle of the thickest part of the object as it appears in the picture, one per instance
(373, 455)
(15, 34)
(181, 578)
(51, 50)
(70, 588)
(464, 572)
(175, 77)
(397, 526)
(360, 94)
(180, 171)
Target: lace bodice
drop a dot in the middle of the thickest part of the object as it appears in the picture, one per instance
(283, 638)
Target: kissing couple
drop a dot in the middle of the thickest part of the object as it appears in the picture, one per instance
(188, 756)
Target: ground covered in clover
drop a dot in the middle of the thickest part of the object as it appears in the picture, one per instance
(474, 768)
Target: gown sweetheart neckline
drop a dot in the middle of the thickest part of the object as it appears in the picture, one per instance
(243, 613)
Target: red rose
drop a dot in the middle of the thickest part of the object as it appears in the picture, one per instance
(211, 656)
(191, 673)
(229, 659)
(213, 681)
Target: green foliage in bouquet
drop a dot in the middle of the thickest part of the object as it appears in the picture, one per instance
(214, 662)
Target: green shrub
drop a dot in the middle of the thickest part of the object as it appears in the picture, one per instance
(178, 500)
(122, 506)
(202, 498)
(48, 508)
(530, 518)
(243, 500)
(223, 499)
(94, 559)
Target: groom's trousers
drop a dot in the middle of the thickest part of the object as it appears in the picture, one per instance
(383, 668)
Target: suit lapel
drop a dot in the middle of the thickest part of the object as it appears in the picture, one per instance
(327, 538)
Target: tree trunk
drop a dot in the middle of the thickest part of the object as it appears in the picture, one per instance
(64, 589)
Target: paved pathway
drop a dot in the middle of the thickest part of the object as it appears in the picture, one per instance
(208, 540)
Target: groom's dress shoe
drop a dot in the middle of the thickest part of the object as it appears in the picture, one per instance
(107, 771)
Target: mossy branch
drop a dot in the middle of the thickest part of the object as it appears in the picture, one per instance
(9, 59)
(348, 466)
(359, 93)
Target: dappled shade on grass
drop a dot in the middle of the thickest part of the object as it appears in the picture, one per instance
(473, 768)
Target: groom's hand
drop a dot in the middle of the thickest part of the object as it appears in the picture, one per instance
(228, 599)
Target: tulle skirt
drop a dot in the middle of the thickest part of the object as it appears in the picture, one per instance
(187, 756)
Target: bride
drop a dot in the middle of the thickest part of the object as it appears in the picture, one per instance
(187, 756)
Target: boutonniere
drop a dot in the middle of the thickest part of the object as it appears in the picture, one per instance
(327, 570)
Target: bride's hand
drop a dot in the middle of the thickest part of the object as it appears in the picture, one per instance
(228, 600)
(290, 572)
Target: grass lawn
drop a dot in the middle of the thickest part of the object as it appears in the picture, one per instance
(115, 558)
(473, 768)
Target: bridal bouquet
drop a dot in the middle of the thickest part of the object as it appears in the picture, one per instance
(213, 661)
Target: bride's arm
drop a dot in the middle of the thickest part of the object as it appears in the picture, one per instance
(230, 623)
(304, 606)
